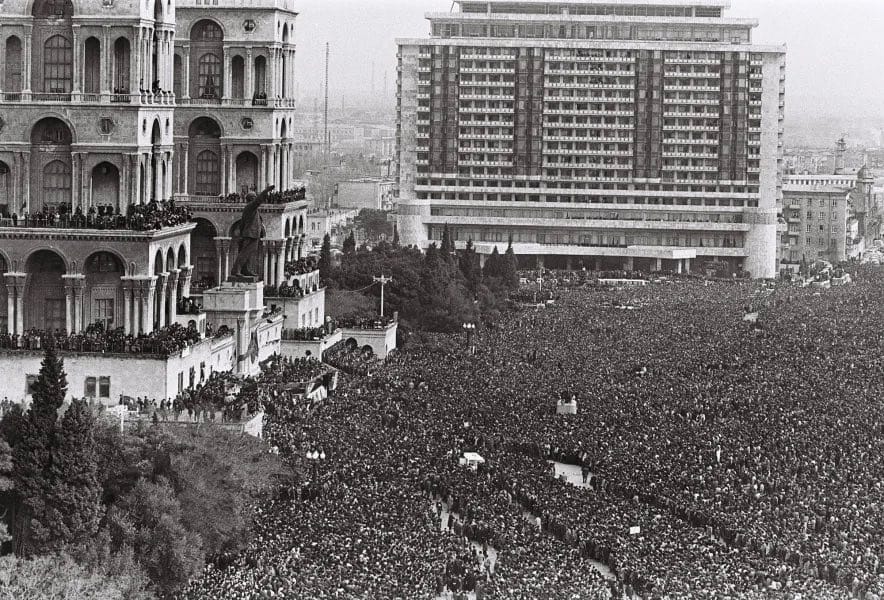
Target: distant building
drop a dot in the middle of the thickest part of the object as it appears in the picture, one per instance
(337, 223)
(366, 192)
(817, 219)
(635, 134)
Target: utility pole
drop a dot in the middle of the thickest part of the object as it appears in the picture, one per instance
(325, 121)
(383, 281)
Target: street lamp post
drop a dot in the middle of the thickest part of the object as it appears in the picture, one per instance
(469, 328)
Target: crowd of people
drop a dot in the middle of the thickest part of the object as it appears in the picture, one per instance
(302, 266)
(292, 195)
(139, 217)
(95, 338)
(723, 457)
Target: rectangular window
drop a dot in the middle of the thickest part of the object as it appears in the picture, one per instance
(104, 387)
(104, 312)
(30, 380)
(89, 388)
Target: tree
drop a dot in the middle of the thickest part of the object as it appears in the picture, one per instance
(148, 520)
(395, 236)
(373, 222)
(446, 248)
(350, 243)
(493, 267)
(325, 258)
(469, 266)
(75, 497)
(59, 576)
(510, 267)
(32, 457)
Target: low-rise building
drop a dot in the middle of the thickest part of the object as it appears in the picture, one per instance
(365, 192)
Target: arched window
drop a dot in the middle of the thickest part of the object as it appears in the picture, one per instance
(237, 66)
(260, 77)
(13, 65)
(53, 9)
(121, 66)
(209, 76)
(208, 173)
(58, 67)
(92, 67)
(56, 183)
(206, 31)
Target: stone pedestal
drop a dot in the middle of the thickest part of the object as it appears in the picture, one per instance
(237, 306)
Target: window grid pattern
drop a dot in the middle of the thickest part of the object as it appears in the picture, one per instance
(56, 183)
(58, 65)
(209, 75)
(208, 173)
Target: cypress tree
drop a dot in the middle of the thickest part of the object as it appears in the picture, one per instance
(510, 266)
(74, 502)
(325, 259)
(492, 265)
(446, 241)
(395, 236)
(32, 457)
(350, 243)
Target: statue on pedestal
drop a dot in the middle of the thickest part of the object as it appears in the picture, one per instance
(248, 235)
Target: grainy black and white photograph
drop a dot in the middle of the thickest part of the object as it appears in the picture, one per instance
(441, 300)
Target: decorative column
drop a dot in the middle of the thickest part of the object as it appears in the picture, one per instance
(10, 304)
(225, 82)
(185, 76)
(172, 293)
(76, 183)
(106, 85)
(79, 52)
(219, 261)
(136, 192)
(160, 310)
(248, 84)
(79, 282)
(134, 60)
(127, 305)
(149, 286)
(225, 244)
(184, 279)
(280, 261)
(68, 305)
(225, 151)
(26, 67)
(26, 180)
(137, 296)
(262, 168)
(18, 286)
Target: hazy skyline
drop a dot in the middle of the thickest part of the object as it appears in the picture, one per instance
(835, 52)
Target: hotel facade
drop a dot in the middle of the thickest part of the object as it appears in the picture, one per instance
(638, 135)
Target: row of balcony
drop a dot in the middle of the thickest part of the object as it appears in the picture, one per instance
(141, 99)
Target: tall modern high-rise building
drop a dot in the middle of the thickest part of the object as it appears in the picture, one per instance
(637, 134)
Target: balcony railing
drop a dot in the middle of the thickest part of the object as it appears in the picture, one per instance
(158, 98)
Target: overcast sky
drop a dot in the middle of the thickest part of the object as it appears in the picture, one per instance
(835, 60)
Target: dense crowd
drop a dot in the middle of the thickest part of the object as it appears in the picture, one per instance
(292, 195)
(724, 457)
(302, 266)
(163, 342)
(139, 217)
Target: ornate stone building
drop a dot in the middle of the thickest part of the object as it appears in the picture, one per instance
(106, 104)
